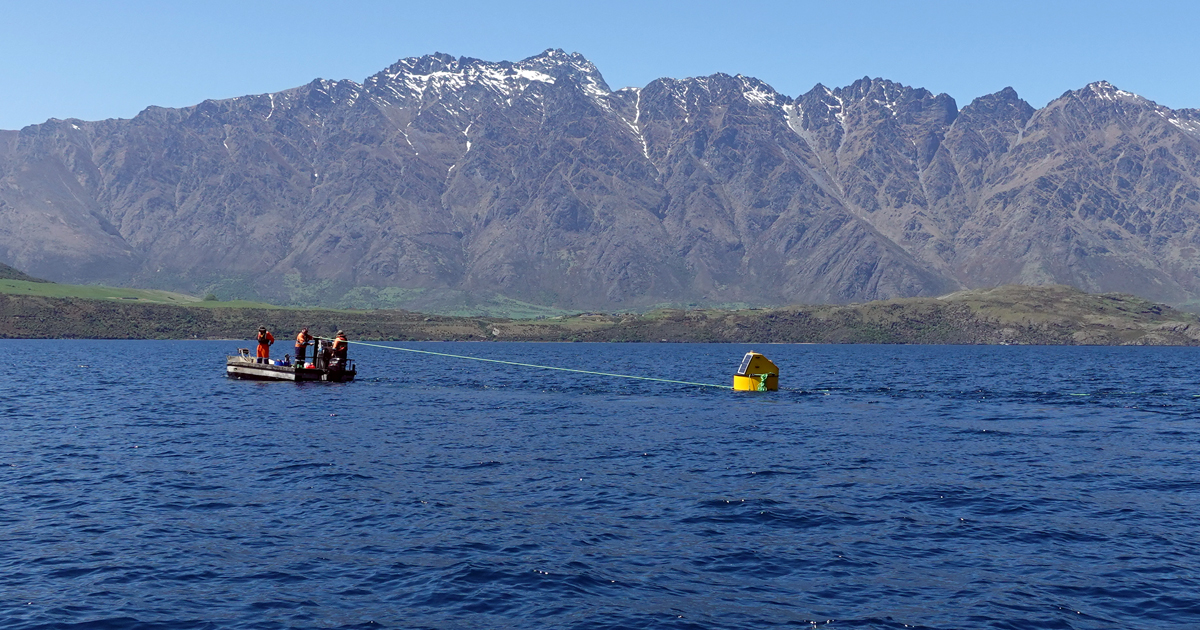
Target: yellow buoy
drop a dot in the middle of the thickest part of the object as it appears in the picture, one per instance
(756, 374)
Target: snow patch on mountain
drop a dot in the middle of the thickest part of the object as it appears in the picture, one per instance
(441, 74)
(839, 110)
(794, 117)
(1190, 126)
(637, 130)
(504, 81)
(1110, 92)
(760, 93)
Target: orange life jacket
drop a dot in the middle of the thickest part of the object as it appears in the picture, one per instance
(266, 338)
(339, 344)
(303, 338)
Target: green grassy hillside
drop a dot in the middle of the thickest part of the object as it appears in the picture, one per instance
(41, 288)
(454, 303)
(1005, 315)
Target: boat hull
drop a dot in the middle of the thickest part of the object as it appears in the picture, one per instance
(247, 368)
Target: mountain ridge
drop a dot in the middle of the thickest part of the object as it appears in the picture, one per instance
(534, 180)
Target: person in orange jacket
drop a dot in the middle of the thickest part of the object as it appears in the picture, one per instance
(340, 345)
(302, 341)
(265, 339)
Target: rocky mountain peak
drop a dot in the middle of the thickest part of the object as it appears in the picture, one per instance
(533, 180)
(574, 66)
(423, 65)
(718, 88)
(324, 92)
(820, 107)
(875, 98)
(884, 92)
(552, 58)
(1102, 96)
(1109, 92)
(1004, 105)
(1101, 104)
(441, 73)
(877, 89)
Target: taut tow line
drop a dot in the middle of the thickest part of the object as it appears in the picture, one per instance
(540, 367)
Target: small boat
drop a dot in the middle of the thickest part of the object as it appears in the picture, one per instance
(244, 366)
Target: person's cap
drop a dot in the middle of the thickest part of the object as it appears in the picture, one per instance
(262, 328)
(304, 330)
(340, 332)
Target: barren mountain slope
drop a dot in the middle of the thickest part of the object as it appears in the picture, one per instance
(536, 181)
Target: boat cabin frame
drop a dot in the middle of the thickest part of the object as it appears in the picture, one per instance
(244, 366)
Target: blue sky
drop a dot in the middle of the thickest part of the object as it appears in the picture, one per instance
(95, 60)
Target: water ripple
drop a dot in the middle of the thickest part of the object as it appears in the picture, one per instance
(885, 487)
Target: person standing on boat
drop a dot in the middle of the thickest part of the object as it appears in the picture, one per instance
(265, 339)
(340, 345)
(302, 341)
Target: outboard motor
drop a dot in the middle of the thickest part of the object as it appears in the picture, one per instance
(323, 354)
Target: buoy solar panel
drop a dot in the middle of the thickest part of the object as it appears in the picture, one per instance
(756, 374)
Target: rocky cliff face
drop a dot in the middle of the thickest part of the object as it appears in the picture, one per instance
(536, 181)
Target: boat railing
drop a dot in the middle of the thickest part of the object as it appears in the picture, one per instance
(244, 355)
(318, 362)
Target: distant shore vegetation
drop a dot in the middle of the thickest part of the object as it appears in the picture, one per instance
(1048, 315)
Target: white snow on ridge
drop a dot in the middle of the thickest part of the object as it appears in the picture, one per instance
(446, 75)
(889, 98)
(634, 125)
(1110, 92)
(406, 139)
(530, 75)
(1190, 126)
(839, 109)
(637, 131)
(758, 92)
(593, 89)
(1184, 125)
(504, 81)
(758, 95)
(793, 122)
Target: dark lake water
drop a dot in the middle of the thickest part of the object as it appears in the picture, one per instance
(885, 487)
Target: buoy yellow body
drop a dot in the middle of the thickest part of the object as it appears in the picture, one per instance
(756, 374)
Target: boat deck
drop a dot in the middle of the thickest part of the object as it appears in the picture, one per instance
(244, 366)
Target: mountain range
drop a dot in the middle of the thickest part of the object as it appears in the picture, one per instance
(444, 178)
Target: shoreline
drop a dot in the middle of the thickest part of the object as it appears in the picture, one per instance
(1011, 315)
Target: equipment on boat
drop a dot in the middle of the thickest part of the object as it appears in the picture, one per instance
(244, 366)
(756, 374)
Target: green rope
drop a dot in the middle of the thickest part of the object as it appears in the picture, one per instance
(542, 367)
(762, 380)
